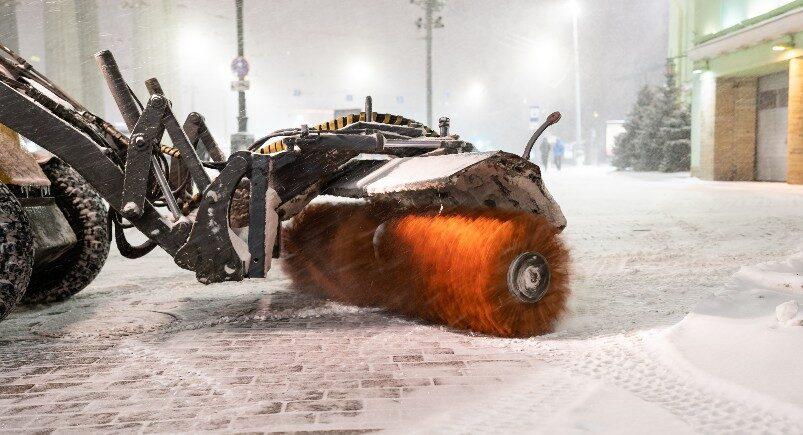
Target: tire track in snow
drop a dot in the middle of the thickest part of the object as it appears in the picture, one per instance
(624, 362)
(516, 408)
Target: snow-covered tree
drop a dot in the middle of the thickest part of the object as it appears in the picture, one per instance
(674, 133)
(627, 143)
(657, 131)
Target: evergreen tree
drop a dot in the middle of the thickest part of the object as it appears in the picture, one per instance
(657, 131)
(674, 132)
(649, 146)
(626, 145)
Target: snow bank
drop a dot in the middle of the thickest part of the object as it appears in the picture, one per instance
(748, 340)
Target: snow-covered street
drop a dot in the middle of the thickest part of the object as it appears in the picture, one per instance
(147, 348)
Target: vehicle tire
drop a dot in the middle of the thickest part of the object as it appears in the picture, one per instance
(16, 251)
(87, 215)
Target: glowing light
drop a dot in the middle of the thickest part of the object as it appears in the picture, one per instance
(475, 93)
(781, 47)
(700, 67)
(359, 69)
(192, 44)
(574, 8)
(546, 62)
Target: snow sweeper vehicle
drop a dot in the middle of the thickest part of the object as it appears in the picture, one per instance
(433, 228)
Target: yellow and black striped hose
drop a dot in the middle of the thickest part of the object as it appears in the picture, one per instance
(335, 124)
(343, 121)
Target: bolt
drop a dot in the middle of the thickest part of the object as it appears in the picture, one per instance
(139, 141)
(131, 210)
(443, 123)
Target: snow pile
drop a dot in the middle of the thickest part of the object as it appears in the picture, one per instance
(781, 276)
(749, 339)
(786, 313)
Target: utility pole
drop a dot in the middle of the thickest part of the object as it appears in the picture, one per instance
(577, 106)
(8, 24)
(429, 23)
(242, 118)
(239, 66)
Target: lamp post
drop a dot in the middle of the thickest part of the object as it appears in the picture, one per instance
(578, 134)
(429, 23)
(239, 66)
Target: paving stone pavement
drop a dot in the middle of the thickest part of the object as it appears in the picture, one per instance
(337, 371)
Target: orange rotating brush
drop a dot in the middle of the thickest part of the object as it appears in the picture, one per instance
(492, 271)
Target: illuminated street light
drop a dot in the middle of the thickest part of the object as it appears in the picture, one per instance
(359, 70)
(785, 43)
(574, 8)
(700, 68)
(781, 47)
(192, 44)
(475, 92)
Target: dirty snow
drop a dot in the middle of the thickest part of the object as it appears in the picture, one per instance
(674, 328)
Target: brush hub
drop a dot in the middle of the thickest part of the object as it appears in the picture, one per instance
(528, 277)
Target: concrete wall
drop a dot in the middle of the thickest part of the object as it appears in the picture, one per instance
(702, 131)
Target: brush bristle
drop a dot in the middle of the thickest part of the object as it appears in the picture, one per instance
(448, 267)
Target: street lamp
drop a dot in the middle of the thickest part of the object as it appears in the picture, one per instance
(429, 22)
(239, 66)
(574, 7)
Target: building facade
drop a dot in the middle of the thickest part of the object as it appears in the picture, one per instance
(740, 63)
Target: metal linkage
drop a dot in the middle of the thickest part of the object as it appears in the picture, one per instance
(83, 154)
(131, 115)
(188, 155)
(197, 131)
(118, 88)
(257, 216)
(146, 135)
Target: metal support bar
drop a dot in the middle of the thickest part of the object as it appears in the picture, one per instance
(196, 130)
(333, 141)
(172, 204)
(188, 154)
(146, 135)
(260, 171)
(403, 130)
(118, 87)
(153, 86)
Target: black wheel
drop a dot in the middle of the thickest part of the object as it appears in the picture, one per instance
(87, 215)
(16, 251)
(528, 277)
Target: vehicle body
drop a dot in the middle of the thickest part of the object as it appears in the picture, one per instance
(375, 157)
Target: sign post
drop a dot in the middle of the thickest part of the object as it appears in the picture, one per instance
(240, 67)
